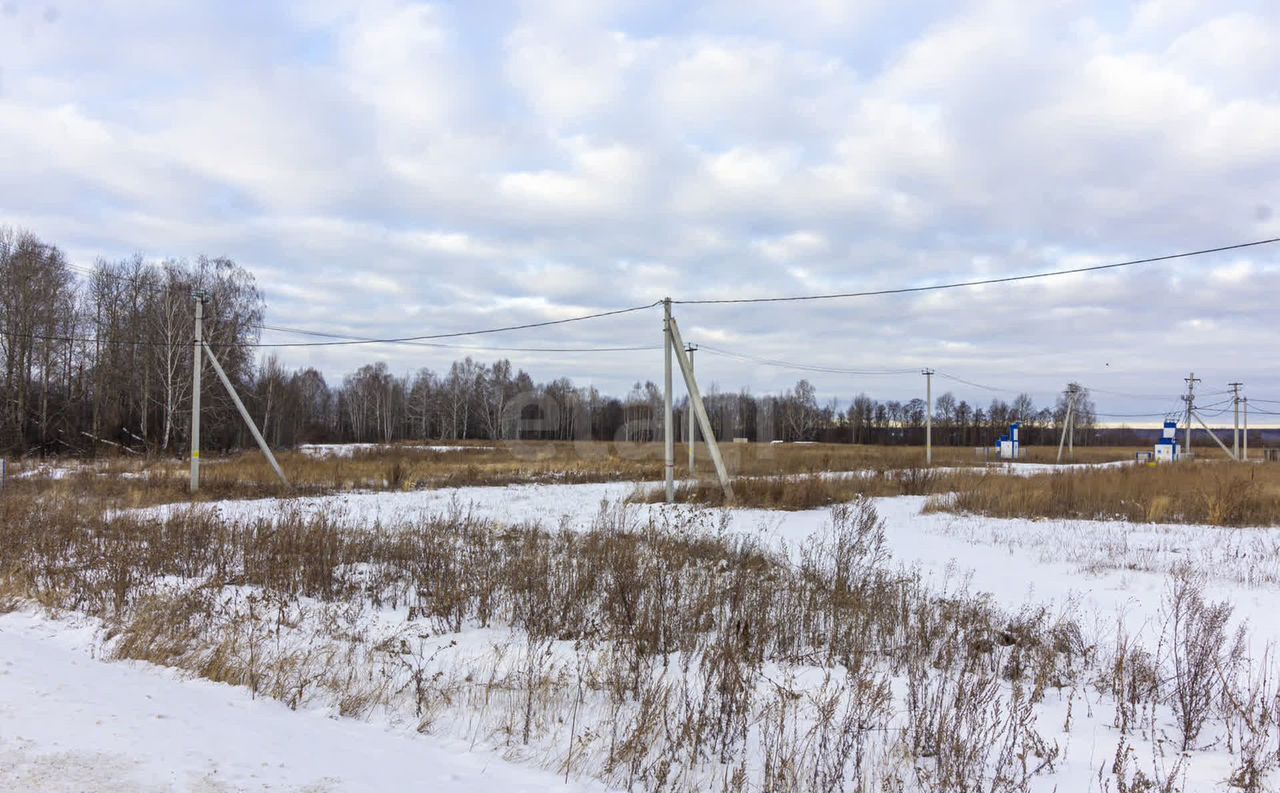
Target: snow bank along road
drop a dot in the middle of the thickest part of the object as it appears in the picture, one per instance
(70, 723)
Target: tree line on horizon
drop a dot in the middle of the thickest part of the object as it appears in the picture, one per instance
(100, 358)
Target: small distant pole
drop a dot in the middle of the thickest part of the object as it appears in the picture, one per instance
(692, 437)
(1071, 426)
(1235, 432)
(1190, 399)
(1246, 429)
(199, 297)
(928, 415)
(1068, 425)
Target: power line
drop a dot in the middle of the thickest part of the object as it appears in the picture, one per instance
(461, 346)
(803, 367)
(985, 281)
(408, 339)
(1127, 395)
(1134, 415)
(458, 334)
(990, 388)
(108, 339)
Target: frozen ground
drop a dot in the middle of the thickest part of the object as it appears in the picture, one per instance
(70, 723)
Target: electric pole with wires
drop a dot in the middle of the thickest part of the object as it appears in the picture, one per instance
(1235, 432)
(196, 365)
(1069, 423)
(1190, 399)
(1245, 449)
(668, 429)
(692, 438)
(928, 415)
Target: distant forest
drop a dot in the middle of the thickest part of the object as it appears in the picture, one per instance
(100, 357)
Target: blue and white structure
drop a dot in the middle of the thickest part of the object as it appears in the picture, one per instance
(1166, 450)
(1009, 447)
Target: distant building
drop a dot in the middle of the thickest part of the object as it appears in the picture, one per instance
(1167, 449)
(1008, 447)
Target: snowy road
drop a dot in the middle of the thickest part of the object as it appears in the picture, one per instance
(70, 723)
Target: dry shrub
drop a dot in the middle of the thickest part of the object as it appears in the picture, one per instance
(679, 628)
(809, 491)
(654, 655)
(1219, 494)
(1202, 660)
(134, 481)
(1253, 717)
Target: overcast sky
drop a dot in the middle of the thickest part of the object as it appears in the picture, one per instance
(396, 168)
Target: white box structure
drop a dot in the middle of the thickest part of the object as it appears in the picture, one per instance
(1166, 449)
(1009, 448)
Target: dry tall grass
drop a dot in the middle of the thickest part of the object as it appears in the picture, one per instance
(654, 656)
(1213, 493)
(809, 491)
(676, 635)
(139, 481)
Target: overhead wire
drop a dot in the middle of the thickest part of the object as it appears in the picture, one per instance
(983, 281)
(803, 367)
(458, 334)
(427, 340)
(108, 339)
(483, 348)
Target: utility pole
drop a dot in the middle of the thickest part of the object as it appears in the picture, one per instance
(1071, 425)
(700, 410)
(1214, 437)
(1235, 432)
(196, 364)
(668, 424)
(1246, 429)
(1190, 399)
(1068, 424)
(244, 414)
(928, 415)
(692, 437)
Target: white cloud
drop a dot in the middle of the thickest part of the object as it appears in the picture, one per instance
(458, 164)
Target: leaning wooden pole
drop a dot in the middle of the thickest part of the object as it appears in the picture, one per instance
(699, 409)
(244, 414)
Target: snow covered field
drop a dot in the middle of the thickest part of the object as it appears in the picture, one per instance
(114, 726)
(1106, 570)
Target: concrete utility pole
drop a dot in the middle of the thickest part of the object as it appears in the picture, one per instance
(1214, 436)
(1068, 425)
(196, 364)
(699, 409)
(244, 414)
(692, 437)
(1071, 431)
(668, 428)
(1246, 429)
(928, 416)
(1190, 399)
(1235, 433)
